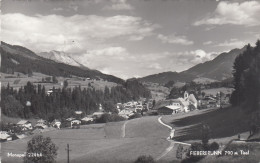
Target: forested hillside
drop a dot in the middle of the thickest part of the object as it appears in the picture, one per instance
(63, 102)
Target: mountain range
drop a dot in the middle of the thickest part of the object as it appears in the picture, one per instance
(220, 68)
(60, 57)
(20, 59)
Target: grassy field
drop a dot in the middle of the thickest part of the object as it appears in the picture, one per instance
(214, 91)
(18, 82)
(223, 123)
(102, 142)
(158, 92)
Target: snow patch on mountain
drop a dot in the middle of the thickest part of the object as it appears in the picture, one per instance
(60, 57)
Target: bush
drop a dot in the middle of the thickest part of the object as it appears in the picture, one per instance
(213, 146)
(44, 149)
(179, 152)
(192, 158)
(205, 134)
(145, 159)
(14, 137)
(109, 118)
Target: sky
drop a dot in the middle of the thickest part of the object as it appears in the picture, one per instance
(132, 38)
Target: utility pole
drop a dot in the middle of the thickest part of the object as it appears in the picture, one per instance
(68, 152)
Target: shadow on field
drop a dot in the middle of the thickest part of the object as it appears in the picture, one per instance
(223, 122)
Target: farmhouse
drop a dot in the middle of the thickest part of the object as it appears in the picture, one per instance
(207, 102)
(87, 119)
(25, 124)
(42, 124)
(126, 113)
(188, 103)
(75, 122)
(170, 109)
(56, 123)
(4, 136)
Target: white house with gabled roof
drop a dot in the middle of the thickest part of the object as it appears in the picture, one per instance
(25, 124)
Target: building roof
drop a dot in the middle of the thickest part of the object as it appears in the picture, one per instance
(87, 119)
(78, 112)
(22, 122)
(173, 107)
(184, 102)
(98, 113)
(192, 98)
(70, 119)
(4, 135)
(41, 121)
(41, 125)
(76, 120)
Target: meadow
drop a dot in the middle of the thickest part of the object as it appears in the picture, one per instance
(102, 142)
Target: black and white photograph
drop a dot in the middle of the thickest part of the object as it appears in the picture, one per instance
(130, 81)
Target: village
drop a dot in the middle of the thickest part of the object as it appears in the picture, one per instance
(128, 110)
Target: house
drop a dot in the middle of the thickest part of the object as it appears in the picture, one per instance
(169, 109)
(70, 119)
(139, 107)
(87, 119)
(78, 112)
(181, 104)
(208, 102)
(99, 113)
(51, 91)
(56, 123)
(4, 136)
(41, 122)
(126, 113)
(25, 125)
(75, 122)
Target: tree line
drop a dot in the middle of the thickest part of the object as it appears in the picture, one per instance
(246, 76)
(62, 102)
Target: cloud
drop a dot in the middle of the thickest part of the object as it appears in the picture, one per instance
(156, 66)
(74, 7)
(45, 33)
(119, 5)
(207, 43)
(173, 39)
(194, 57)
(232, 43)
(245, 13)
(109, 51)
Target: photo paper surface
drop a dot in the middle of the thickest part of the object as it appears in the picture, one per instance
(130, 81)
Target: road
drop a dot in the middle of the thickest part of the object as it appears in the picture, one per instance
(169, 138)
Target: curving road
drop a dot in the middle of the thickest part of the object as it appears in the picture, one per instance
(167, 150)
